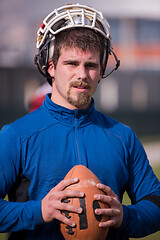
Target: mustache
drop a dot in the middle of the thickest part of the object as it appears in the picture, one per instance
(80, 83)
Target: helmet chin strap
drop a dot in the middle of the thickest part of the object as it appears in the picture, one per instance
(117, 64)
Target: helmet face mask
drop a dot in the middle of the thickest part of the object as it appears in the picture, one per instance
(63, 18)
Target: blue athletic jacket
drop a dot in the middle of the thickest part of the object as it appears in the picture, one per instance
(38, 150)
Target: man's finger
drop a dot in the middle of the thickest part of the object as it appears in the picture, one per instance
(106, 189)
(107, 212)
(65, 183)
(106, 199)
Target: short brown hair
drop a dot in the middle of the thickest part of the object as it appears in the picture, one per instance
(83, 38)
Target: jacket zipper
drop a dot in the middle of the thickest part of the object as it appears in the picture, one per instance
(76, 140)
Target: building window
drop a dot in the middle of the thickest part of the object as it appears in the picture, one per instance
(139, 97)
(115, 27)
(109, 95)
(148, 31)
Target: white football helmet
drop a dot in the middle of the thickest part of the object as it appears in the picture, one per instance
(66, 17)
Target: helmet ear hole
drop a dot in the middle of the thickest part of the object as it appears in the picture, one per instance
(42, 68)
(41, 60)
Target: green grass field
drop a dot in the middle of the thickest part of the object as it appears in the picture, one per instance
(155, 236)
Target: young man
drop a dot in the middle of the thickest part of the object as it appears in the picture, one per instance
(39, 149)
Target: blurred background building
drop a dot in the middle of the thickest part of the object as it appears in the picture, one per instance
(131, 95)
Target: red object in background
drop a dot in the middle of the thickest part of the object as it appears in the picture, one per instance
(39, 96)
(36, 103)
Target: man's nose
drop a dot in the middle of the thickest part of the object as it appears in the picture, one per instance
(82, 72)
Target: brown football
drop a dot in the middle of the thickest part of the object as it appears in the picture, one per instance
(87, 223)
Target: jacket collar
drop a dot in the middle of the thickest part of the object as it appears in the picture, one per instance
(70, 117)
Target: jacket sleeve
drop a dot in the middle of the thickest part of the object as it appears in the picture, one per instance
(14, 216)
(143, 216)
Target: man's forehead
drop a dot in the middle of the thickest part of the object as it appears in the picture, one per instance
(75, 52)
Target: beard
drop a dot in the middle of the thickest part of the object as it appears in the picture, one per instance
(80, 99)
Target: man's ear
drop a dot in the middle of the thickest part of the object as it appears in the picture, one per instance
(51, 69)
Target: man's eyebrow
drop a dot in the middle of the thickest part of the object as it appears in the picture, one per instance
(70, 61)
(88, 63)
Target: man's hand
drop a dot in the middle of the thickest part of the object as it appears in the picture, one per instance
(115, 212)
(52, 203)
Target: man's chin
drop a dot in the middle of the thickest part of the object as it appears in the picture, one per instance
(80, 102)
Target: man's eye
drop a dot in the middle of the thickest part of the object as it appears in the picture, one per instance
(72, 63)
(93, 66)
